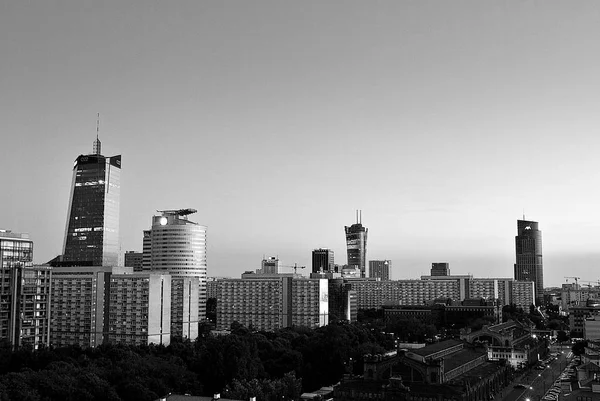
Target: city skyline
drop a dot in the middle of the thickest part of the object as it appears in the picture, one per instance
(277, 120)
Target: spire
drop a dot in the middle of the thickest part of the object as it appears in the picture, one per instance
(97, 144)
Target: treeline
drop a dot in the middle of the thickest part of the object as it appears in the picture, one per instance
(266, 365)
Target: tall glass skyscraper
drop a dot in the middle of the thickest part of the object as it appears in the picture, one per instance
(92, 231)
(177, 246)
(356, 243)
(529, 266)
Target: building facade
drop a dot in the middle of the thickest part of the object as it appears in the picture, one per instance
(380, 269)
(529, 264)
(95, 305)
(373, 293)
(323, 261)
(269, 265)
(356, 245)
(35, 306)
(271, 302)
(78, 306)
(140, 309)
(176, 246)
(135, 260)
(440, 269)
(16, 254)
(92, 229)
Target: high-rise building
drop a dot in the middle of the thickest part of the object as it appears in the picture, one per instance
(35, 306)
(356, 244)
(176, 245)
(529, 265)
(92, 231)
(24, 292)
(272, 301)
(380, 269)
(135, 260)
(440, 269)
(322, 261)
(270, 265)
(94, 305)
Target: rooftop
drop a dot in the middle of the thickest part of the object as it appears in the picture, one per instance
(461, 357)
(436, 347)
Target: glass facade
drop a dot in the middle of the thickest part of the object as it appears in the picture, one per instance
(177, 246)
(92, 233)
(356, 243)
(529, 266)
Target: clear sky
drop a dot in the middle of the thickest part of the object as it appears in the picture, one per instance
(441, 120)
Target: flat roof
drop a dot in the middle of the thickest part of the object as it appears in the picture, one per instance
(436, 347)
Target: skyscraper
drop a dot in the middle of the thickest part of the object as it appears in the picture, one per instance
(322, 260)
(356, 243)
(92, 230)
(135, 260)
(270, 265)
(380, 269)
(440, 269)
(177, 246)
(529, 266)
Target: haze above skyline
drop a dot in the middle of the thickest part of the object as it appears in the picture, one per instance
(441, 121)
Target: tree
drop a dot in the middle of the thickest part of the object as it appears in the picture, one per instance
(579, 347)
(561, 336)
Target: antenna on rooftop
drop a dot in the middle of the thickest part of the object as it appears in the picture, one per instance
(97, 144)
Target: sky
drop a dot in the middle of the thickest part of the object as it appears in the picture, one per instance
(443, 121)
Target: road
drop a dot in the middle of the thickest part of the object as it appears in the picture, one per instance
(537, 381)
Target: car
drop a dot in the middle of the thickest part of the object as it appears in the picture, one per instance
(519, 385)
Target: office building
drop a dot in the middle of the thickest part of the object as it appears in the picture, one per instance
(380, 269)
(356, 244)
(176, 246)
(92, 230)
(270, 265)
(322, 261)
(529, 265)
(440, 269)
(135, 260)
(95, 305)
(272, 301)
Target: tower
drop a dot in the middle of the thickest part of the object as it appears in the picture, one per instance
(529, 265)
(380, 269)
(356, 243)
(322, 260)
(270, 265)
(177, 246)
(92, 229)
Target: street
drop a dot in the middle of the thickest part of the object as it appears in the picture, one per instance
(537, 382)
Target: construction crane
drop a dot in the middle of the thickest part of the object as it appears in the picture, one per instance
(295, 267)
(574, 278)
(589, 283)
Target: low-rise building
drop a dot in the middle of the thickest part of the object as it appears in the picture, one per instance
(510, 341)
(448, 370)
